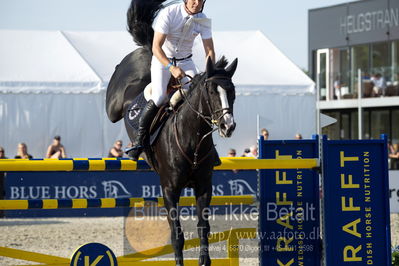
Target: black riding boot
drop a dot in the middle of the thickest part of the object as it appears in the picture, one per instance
(149, 112)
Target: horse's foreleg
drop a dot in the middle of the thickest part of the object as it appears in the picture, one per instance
(203, 201)
(171, 199)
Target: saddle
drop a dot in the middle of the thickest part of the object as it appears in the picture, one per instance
(133, 114)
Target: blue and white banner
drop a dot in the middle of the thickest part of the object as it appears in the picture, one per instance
(72, 185)
(356, 205)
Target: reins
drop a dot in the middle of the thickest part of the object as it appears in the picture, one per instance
(208, 119)
(195, 162)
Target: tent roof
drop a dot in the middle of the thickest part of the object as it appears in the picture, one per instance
(37, 61)
(102, 50)
(83, 62)
(260, 62)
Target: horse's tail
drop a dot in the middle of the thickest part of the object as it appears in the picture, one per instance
(140, 16)
(133, 73)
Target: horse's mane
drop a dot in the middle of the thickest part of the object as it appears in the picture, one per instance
(220, 65)
(140, 16)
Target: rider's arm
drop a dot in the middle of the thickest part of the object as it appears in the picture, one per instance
(159, 39)
(209, 48)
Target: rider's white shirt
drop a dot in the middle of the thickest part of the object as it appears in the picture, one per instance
(179, 41)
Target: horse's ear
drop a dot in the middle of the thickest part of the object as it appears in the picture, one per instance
(231, 69)
(210, 69)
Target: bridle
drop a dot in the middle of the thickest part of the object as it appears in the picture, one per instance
(209, 119)
(219, 80)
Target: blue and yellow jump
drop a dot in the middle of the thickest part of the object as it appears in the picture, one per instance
(116, 202)
(124, 164)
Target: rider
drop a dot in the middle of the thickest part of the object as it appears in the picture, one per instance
(175, 29)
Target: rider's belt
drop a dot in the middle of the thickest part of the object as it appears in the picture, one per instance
(175, 60)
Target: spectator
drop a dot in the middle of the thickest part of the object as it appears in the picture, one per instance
(265, 133)
(116, 150)
(22, 152)
(390, 151)
(56, 150)
(379, 84)
(298, 136)
(394, 156)
(337, 88)
(247, 153)
(253, 151)
(231, 153)
(2, 153)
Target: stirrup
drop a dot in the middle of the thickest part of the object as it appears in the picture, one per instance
(134, 152)
(128, 150)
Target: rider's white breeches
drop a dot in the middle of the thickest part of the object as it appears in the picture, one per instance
(160, 77)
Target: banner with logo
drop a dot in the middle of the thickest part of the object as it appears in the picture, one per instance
(356, 205)
(72, 185)
(289, 216)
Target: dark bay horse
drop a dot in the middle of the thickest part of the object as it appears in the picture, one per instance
(183, 153)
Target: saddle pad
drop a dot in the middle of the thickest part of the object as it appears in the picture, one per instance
(134, 113)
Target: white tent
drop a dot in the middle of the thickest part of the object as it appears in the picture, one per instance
(53, 83)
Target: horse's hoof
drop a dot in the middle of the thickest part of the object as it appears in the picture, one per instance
(204, 260)
(179, 262)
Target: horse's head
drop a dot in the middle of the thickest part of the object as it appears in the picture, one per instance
(222, 94)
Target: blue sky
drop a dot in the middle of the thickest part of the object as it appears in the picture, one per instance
(284, 22)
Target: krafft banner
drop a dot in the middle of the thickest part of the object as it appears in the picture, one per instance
(356, 205)
(289, 217)
(73, 185)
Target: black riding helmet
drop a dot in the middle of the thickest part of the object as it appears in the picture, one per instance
(203, 4)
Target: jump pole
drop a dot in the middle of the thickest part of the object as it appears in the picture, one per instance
(116, 202)
(105, 164)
